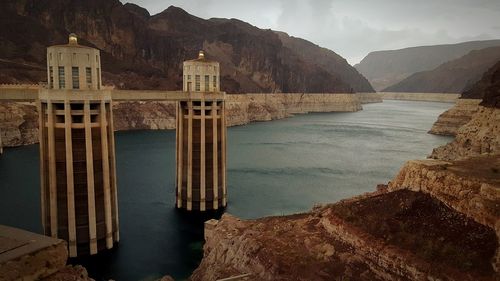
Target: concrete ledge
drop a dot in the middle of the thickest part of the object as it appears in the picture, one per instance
(28, 256)
(77, 95)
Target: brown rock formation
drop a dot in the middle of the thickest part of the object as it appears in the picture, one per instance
(470, 186)
(401, 235)
(140, 51)
(481, 135)
(70, 273)
(452, 119)
(29, 256)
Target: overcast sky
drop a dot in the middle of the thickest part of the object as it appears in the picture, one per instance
(353, 28)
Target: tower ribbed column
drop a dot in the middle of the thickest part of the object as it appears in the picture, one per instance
(78, 182)
(200, 152)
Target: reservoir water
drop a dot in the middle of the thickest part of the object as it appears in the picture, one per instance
(274, 168)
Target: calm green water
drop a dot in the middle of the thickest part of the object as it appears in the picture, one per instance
(274, 168)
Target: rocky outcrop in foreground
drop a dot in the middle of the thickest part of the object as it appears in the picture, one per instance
(400, 235)
(70, 273)
(451, 120)
(29, 256)
(470, 186)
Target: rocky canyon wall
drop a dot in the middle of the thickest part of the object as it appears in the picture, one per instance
(243, 109)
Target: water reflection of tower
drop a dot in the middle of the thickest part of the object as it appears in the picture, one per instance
(77, 154)
(201, 138)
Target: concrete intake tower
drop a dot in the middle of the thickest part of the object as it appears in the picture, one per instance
(201, 138)
(77, 151)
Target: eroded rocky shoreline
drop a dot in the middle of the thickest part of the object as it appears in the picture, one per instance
(438, 219)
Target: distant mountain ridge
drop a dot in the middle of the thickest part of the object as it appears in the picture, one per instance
(451, 77)
(386, 68)
(140, 51)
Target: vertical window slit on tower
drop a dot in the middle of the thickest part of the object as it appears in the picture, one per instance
(75, 77)
(62, 82)
(207, 83)
(88, 75)
(98, 79)
(51, 77)
(197, 83)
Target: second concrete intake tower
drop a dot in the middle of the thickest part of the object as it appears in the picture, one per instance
(201, 138)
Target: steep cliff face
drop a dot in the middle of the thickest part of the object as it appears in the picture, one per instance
(451, 77)
(452, 119)
(140, 51)
(328, 60)
(386, 68)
